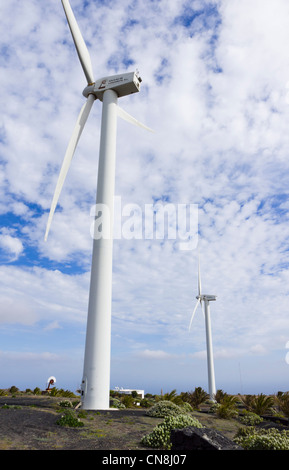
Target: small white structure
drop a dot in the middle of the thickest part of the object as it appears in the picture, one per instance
(128, 391)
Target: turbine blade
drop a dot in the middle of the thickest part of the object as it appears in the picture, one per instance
(199, 279)
(127, 117)
(80, 45)
(195, 309)
(82, 118)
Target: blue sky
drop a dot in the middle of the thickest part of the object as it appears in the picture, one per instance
(216, 91)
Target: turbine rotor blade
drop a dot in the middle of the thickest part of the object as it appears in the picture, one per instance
(127, 117)
(199, 279)
(80, 45)
(195, 309)
(82, 118)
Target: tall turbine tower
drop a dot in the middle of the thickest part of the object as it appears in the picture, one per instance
(96, 371)
(206, 299)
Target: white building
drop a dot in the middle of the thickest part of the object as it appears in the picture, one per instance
(128, 391)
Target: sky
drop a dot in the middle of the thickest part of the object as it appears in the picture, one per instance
(215, 90)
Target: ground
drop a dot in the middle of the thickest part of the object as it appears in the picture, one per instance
(30, 423)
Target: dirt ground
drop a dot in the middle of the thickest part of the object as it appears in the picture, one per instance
(30, 423)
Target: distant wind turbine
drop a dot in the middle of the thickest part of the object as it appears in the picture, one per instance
(210, 357)
(96, 371)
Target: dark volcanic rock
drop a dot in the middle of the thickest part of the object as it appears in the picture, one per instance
(192, 438)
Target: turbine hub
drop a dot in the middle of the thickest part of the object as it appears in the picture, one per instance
(123, 84)
(207, 297)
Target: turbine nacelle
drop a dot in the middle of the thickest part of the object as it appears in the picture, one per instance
(201, 297)
(123, 84)
(207, 297)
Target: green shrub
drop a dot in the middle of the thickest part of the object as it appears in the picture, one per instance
(219, 395)
(66, 393)
(227, 407)
(75, 403)
(247, 401)
(258, 404)
(263, 439)
(128, 401)
(172, 396)
(263, 404)
(250, 419)
(69, 419)
(37, 391)
(59, 392)
(164, 408)
(186, 407)
(214, 407)
(116, 403)
(283, 401)
(160, 435)
(195, 398)
(146, 403)
(226, 412)
(65, 404)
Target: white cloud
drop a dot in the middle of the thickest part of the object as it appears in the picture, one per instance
(28, 356)
(155, 354)
(34, 295)
(16, 310)
(52, 326)
(258, 349)
(11, 246)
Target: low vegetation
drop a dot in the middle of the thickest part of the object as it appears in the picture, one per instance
(53, 392)
(159, 438)
(165, 408)
(248, 412)
(69, 419)
(262, 439)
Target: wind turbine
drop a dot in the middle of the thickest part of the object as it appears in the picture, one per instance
(96, 370)
(206, 299)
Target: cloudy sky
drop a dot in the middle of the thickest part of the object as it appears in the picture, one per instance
(215, 89)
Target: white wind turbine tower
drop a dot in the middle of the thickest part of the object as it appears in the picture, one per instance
(96, 371)
(210, 357)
